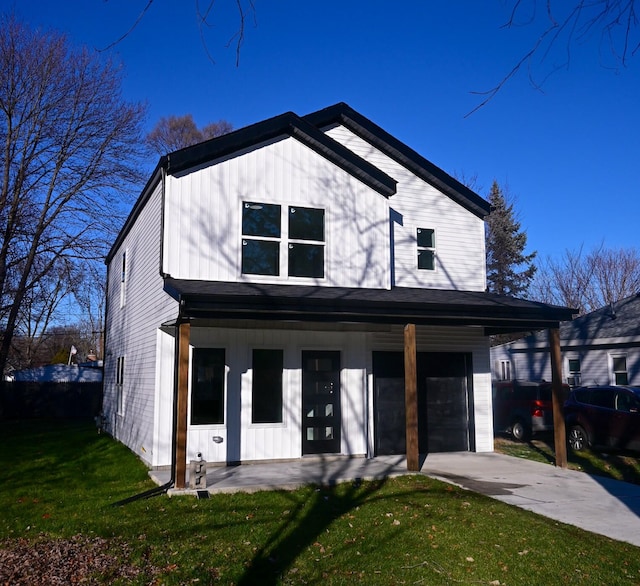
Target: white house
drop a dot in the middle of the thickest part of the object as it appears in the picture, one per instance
(272, 287)
(601, 347)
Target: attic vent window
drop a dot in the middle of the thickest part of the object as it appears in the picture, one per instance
(426, 240)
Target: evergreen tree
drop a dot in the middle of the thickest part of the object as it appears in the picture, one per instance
(509, 270)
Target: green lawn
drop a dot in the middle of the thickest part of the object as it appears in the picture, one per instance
(59, 482)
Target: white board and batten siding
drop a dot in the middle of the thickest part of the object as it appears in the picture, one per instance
(459, 234)
(203, 222)
(132, 323)
(238, 439)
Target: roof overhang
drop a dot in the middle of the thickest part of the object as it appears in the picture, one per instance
(400, 305)
(361, 126)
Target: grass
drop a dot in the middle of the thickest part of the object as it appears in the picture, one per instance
(59, 482)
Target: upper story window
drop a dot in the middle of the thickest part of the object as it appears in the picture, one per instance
(262, 234)
(426, 238)
(306, 242)
(261, 254)
(123, 279)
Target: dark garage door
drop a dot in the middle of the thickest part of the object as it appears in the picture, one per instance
(444, 423)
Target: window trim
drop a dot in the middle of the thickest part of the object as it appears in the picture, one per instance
(263, 424)
(192, 375)
(286, 243)
(614, 373)
(430, 249)
(119, 385)
(124, 277)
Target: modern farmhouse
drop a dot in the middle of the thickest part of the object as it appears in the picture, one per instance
(304, 286)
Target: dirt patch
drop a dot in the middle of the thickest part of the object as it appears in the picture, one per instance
(78, 560)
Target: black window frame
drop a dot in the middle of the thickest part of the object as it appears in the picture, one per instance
(267, 388)
(208, 410)
(426, 255)
(261, 237)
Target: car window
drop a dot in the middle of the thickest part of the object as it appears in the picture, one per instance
(603, 398)
(525, 393)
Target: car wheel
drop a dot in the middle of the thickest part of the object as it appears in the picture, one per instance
(578, 439)
(520, 431)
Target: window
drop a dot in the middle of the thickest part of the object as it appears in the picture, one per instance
(306, 259)
(123, 278)
(426, 239)
(261, 255)
(207, 386)
(262, 235)
(504, 370)
(574, 372)
(120, 384)
(619, 365)
(266, 389)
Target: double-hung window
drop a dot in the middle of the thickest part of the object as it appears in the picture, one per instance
(426, 239)
(619, 368)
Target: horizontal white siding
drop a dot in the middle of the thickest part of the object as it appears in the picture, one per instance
(132, 331)
(459, 234)
(595, 363)
(203, 221)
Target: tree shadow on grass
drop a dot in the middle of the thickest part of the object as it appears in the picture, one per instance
(305, 525)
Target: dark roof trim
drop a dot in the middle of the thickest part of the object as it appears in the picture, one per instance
(335, 304)
(343, 114)
(285, 124)
(138, 206)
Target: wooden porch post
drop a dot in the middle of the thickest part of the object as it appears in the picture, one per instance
(411, 397)
(184, 332)
(559, 432)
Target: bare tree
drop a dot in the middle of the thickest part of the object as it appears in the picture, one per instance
(561, 25)
(70, 145)
(587, 282)
(204, 18)
(176, 132)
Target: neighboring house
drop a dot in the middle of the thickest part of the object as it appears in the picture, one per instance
(271, 288)
(59, 373)
(601, 347)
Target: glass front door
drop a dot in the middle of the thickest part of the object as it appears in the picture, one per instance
(320, 402)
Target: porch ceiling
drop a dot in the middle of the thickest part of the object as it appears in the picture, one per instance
(400, 305)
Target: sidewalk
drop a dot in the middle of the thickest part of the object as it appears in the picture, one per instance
(603, 506)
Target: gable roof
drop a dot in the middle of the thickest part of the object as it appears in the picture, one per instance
(613, 324)
(286, 124)
(308, 130)
(400, 305)
(343, 114)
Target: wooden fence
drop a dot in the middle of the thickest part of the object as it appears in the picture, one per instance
(26, 400)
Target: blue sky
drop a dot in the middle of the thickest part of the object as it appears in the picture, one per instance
(567, 153)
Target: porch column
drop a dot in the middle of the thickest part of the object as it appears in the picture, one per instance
(557, 393)
(184, 333)
(411, 397)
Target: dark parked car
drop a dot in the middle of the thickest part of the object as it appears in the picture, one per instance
(523, 408)
(603, 417)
